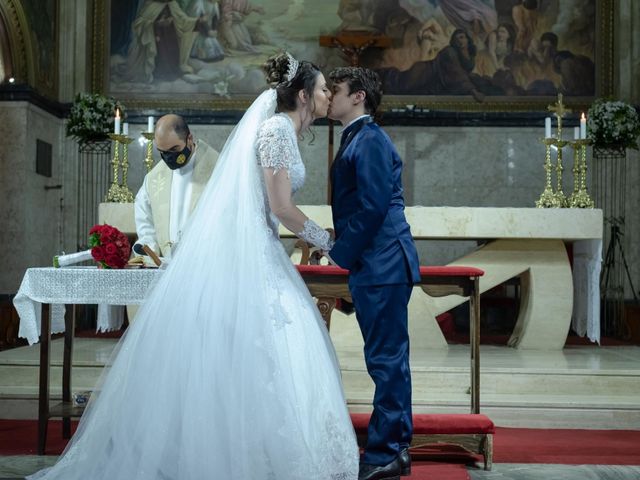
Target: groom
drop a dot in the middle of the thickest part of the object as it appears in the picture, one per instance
(374, 242)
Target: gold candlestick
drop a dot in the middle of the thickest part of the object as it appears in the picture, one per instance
(113, 194)
(581, 198)
(561, 199)
(576, 172)
(126, 196)
(557, 199)
(547, 198)
(148, 159)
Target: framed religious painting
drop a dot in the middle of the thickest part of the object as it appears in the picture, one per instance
(460, 55)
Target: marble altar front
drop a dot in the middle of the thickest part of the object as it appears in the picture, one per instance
(525, 242)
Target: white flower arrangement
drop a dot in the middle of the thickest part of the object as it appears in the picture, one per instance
(613, 123)
(91, 117)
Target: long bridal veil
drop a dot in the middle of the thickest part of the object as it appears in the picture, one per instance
(228, 371)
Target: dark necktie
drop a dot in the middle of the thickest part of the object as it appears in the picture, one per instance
(343, 136)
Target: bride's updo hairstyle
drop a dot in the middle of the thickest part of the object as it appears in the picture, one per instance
(279, 69)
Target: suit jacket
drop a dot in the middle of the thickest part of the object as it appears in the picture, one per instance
(373, 238)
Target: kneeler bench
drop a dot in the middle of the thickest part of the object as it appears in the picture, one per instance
(473, 432)
(470, 431)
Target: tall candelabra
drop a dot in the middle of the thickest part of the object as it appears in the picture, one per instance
(561, 199)
(148, 159)
(580, 198)
(126, 196)
(547, 198)
(119, 192)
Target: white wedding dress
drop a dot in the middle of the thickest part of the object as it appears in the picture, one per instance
(228, 371)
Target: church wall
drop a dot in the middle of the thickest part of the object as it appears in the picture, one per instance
(452, 166)
(31, 213)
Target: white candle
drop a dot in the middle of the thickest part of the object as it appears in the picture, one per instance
(576, 133)
(116, 123)
(583, 126)
(125, 128)
(149, 124)
(547, 127)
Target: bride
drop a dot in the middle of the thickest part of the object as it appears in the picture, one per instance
(228, 371)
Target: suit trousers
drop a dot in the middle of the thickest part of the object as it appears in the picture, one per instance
(382, 313)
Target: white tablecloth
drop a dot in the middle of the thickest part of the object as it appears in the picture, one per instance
(587, 263)
(78, 285)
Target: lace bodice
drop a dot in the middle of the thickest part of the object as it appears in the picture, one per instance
(277, 147)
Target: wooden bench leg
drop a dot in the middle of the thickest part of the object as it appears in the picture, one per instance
(43, 394)
(326, 306)
(474, 313)
(69, 320)
(487, 451)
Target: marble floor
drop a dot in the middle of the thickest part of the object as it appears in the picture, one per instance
(512, 471)
(17, 467)
(518, 388)
(576, 387)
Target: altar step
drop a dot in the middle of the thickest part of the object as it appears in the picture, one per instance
(578, 387)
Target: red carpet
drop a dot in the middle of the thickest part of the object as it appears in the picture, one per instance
(559, 446)
(511, 445)
(576, 447)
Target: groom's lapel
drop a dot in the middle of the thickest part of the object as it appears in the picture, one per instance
(348, 134)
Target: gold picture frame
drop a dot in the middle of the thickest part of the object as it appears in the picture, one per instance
(596, 51)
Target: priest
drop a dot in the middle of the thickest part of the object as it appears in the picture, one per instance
(171, 190)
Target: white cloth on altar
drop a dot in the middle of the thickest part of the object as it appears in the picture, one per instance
(587, 264)
(78, 285)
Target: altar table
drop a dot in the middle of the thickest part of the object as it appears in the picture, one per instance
(524, 242)
(40, 304)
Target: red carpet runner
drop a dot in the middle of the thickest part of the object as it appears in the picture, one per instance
(511, 445)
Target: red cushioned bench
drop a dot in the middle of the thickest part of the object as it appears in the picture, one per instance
(472, 432)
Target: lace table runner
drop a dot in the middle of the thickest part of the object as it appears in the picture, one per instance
(78, 285)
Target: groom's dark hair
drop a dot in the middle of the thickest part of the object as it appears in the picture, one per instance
(360, 78)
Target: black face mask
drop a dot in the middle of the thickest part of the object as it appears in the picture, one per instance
(175, 160)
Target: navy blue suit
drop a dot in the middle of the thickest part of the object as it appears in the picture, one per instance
(373, 241)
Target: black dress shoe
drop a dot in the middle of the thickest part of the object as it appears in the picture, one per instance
(390, 471)
(405, 462)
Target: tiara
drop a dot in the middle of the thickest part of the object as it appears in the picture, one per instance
(293, 67)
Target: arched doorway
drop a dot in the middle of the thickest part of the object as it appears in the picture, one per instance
(16, 54)
(6, 62)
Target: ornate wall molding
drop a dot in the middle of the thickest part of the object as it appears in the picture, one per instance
(17, 26)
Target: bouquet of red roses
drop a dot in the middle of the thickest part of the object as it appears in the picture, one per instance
(109, 246)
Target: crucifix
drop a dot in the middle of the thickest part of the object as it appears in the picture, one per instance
(352, 43)
(559, 111)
